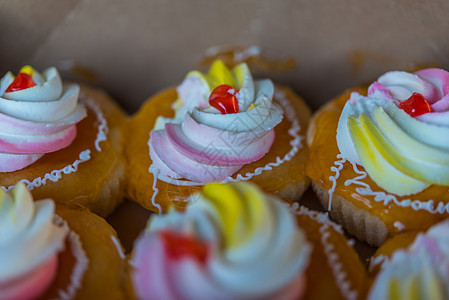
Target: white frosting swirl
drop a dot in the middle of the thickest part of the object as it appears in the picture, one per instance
(37, 120)
(256, 250)
(47, 102)
(390, 144)
(421, 271)
(28, 236)
(203, 145)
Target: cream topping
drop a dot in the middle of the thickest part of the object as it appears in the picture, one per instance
(38, 119)
(203, 145)
(296, 145)
(248, 239)
(84, 156)
(391, 145)
(28, 236)
(47, 102)
(420, 271)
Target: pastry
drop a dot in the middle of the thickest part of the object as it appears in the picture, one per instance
(235, 242)
(414, 269)
(61, 139)
(380, 163)
(73, 254)
(220, 126)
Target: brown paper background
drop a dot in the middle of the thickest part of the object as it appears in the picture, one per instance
(138, 47)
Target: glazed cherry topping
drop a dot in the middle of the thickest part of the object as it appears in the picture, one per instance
(223, 98)
(416, 105)
(181, 245)
(21, 82)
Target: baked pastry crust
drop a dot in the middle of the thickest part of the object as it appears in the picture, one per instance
(369, 215)
(91, 170)
(286, 180)
(334, 264)
(103, 259)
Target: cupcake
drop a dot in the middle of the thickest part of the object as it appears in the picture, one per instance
(380, 162)
(221, 126)
(62, 140)
(416, 270)
(235, 242)
(45, 255)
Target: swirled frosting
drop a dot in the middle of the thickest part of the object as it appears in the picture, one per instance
(203, 145)
(38, 119)
(29, 244)
(419, 272)
(233, 242)
(403, 154)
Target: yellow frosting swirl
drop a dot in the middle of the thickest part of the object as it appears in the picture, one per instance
(401, 154)
(256, 250)
(418, 272)
(28, 236)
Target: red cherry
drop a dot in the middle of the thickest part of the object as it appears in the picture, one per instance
(416, 105)
(180, 245)
(223, 98)
(21, 82)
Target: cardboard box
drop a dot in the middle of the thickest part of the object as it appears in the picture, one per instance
(135, 48)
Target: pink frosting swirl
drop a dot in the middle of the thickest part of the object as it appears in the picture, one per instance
(29, 244)
(432, 83)
(32, 284)
(203, 145)
(404, 124)
(37, 120)
(424, 265)
(234, 242)
(162, 277)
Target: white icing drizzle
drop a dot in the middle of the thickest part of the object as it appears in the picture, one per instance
(295, 144)
(156, 191)
(334, 178)
(337, 267)
(103, 128)
(341, 277)
(365, 189)
(399, 225)
(118, 246)
(81, 264)
(84, 156)
(54, 175)
(380, 259)
(322, 218)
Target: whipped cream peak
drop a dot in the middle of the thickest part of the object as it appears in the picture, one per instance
(411, 276)
(203, 144)
(28, 236)
(195, 90)
(249, 236)
(48, 87)
(39, 118)
(356, 105)
(421, 270)
(380, 133)
(399, 85)
(435, 241)
(14, 206)
(433, 84)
